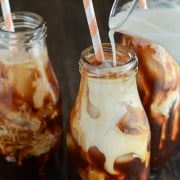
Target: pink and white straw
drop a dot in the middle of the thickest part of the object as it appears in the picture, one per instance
(142, 4)
(6, 11)
(92, 23)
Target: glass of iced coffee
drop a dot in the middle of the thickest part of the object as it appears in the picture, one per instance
(108, 135)
(30, 101)
(152, 29)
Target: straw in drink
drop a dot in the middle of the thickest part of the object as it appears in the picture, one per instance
(89, 10)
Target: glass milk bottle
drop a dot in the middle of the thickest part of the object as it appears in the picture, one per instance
(108, 133)
(152, 30)
(30, 102)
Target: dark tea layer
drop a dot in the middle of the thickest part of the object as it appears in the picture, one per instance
(159, 86)
(91, 166)
(30, 109)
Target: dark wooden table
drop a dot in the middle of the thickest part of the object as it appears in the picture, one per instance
(68, 35)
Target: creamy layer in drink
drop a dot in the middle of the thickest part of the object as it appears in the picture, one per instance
(108, 133)
(29, 105)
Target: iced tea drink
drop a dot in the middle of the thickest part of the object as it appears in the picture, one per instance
(108, 135)
(30, 102)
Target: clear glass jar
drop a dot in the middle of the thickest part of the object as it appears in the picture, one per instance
(147, 27)
(108, 134)
(30, 101)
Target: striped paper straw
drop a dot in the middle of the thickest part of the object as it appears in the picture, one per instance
(142, 4)
(92, 23)
(6, 11)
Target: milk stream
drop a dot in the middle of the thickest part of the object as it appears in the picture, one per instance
(161, 26)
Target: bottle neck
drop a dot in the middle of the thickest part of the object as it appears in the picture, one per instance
(127, 64)
(30, 28)
(27, 43)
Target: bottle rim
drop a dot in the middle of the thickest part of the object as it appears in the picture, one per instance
(29, 26)
(130, 66)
